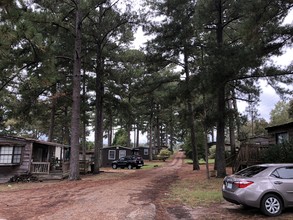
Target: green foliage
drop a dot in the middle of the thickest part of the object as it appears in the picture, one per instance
(200, 146)
(120, 138)
(281, 153)
(257, 128)
(280, 113)
(165, 153)
(212, 152)
(90, 145)
(36, 45)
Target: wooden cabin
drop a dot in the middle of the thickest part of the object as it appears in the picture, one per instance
(280, 133)
(251, 151)
(46, 160)
(109, 154)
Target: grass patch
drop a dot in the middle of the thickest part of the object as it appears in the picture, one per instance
(197, 192)
(151, 165)
(201, 161)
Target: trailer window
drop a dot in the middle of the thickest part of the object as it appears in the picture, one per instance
(10, 154)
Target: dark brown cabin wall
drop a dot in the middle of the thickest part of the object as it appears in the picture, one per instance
(105, 161)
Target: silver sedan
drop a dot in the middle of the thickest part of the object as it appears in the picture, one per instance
(265, 186)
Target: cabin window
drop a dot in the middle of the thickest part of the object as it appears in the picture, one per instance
(10, 154)
(282, 138)
(145, 151)
(111, 155)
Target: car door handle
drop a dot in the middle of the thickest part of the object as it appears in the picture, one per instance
(278, 182)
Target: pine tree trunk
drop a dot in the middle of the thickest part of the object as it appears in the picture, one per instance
(151, 138)
(191, 116)
(232, 128)
(99, 112)
(84, 119)
(75, 118)
(220, 146)
(52, 117)
(137, 136)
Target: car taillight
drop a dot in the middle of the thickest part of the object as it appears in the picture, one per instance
(242, 184)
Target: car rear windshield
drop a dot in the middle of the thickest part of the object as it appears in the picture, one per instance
(251, 171)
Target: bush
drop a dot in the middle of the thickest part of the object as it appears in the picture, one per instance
(164, 154)
(281, 153)
(212, 152)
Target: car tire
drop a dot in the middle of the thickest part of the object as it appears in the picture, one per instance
(129, 166)
(138, 167)
(114, 166)
(271, 205)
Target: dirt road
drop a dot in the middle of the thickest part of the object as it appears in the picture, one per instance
(131, 196)
(116, 194)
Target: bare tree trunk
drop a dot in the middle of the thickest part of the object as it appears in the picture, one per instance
(137, 136)
(157, 132)
(110, 137)
(99, 111)
(171, 138)
(84, 120)
(75, 118)
(220, 147)
(128, 135)
(151, 139)
(232, 128)
(110, 129)
(52, 116)
(66, 131)
(191, 116)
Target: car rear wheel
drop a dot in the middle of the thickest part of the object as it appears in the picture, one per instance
(129, 166)
(114, 166)
(271, 205)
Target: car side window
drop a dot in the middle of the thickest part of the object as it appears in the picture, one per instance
(275, 174)
(284, 173)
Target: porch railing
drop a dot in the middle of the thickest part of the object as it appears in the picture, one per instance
(40, 167)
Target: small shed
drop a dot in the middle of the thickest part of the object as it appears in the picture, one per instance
(19, 156)
(280, 133)
(109, 154)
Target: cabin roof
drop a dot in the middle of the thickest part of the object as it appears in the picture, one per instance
(15, 138)
(285, 125)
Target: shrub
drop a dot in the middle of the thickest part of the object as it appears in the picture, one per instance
(281, 153)
(164, 154)
(212, 152)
